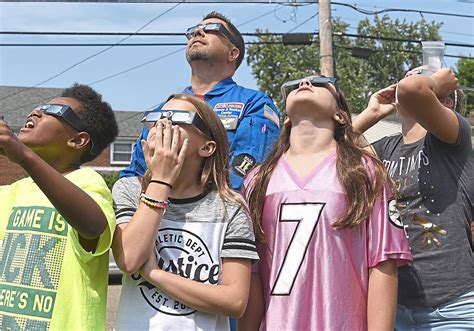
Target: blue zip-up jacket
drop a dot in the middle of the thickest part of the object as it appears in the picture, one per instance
(251, 120)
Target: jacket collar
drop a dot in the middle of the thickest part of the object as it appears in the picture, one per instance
(222, 87)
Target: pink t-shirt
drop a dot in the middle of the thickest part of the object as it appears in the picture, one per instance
(314, 276)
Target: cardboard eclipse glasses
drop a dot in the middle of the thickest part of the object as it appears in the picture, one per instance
(291, 85)
(176, 117)
(65, 112)
(219, 27)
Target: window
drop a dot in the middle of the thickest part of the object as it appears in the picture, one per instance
(121, 152)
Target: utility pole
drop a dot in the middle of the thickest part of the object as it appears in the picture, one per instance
(326, 60)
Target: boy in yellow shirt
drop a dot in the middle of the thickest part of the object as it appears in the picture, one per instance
(56, 226)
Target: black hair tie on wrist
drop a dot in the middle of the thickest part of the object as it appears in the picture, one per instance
(162, 183)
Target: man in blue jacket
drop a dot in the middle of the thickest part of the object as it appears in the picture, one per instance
(214, 51)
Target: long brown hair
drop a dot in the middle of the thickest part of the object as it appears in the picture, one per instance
(215, 168)
(361, 187)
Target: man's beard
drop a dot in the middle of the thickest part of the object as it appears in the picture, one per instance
(197, 56)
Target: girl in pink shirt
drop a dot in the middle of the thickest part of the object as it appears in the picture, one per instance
(324, 212)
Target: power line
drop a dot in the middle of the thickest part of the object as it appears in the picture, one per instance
(285, 3)
(336, 34)
(171, 34)
(393, 50)
(395, 39)
(304, 22)
(156, 59)
(258, 17)
(91, 45)
(137, 66)
(72, 33)
(137, 33)
(358, 20)
(387, 10)
(91, 56)
(256, 43)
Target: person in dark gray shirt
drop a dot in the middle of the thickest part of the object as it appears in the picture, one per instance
(431, 162)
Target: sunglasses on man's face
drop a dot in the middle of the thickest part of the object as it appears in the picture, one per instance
(208, 27)
(65, 112)
(291, 85)
(176, 117)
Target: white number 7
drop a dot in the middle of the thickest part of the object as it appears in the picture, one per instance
(307, 215)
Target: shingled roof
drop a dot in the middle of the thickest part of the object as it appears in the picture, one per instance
(386, 127)
(16, 102)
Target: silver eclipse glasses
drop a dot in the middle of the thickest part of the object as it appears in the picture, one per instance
(176, 117)
(218, 27)
(291, 85)
(65, 112)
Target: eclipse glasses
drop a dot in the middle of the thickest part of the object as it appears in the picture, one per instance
(218, 27)
(69, 116)
(176, 117)
(65, 112)
(291, 85)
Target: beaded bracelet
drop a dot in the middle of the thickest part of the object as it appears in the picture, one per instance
(161, 182)
(149, 201)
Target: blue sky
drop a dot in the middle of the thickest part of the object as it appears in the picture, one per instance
(142, 88)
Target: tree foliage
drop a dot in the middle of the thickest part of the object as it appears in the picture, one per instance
(110, 178)
(273, 63)
(465, 74)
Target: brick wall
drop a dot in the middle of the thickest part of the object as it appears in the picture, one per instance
(103, 160)
(11, 172)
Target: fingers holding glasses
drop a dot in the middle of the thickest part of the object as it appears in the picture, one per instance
(176, 140)
(167, 134)
(164, 152)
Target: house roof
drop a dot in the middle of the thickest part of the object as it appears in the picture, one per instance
(390, 126)
(386, 127)
(16, 102)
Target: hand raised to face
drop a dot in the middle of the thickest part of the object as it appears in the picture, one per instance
(383, 101)
(163, 151)
(10, 145)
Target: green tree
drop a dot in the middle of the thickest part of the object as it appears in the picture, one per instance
(110, 178)
(273, 63)
(465, 74)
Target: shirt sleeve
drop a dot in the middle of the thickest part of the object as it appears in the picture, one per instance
(5, 208)
(137, 165)
(379, 146)
(126, 192)
(239, 239)
(257, 131)
(94, 185)
(464, 142)
(386, 234)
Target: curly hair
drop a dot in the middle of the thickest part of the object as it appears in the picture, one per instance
(97, 116)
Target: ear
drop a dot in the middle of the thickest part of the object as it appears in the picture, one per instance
(79, 141)
(207, 149)
(447, 102)
(234, 54)
(287, 122)
(339, 118)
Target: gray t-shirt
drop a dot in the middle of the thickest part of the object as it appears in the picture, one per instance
(435, 183)
(194, 235)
